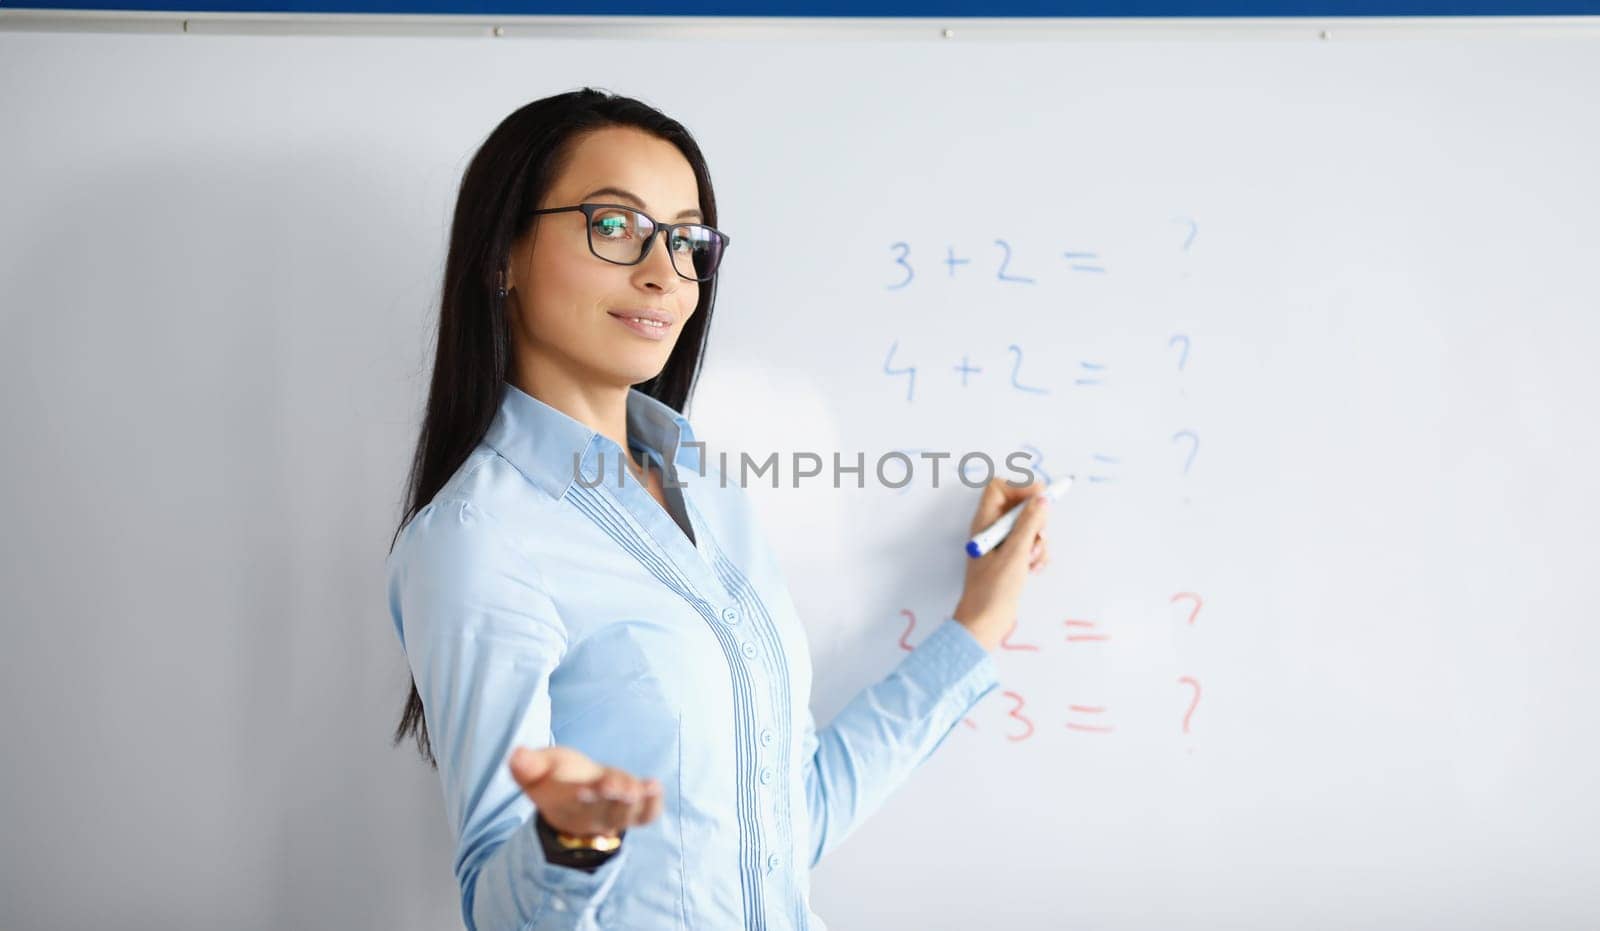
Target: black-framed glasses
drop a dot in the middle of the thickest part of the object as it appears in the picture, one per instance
(623, 236)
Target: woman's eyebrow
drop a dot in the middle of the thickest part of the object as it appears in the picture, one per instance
(637, 201)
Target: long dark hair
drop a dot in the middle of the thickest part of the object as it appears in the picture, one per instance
(505, 182)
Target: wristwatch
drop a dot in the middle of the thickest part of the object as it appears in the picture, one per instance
(575, 851)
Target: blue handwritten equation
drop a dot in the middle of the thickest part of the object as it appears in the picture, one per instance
(906, 271)
(893, 367)
(1089, 373)
(1014, 372)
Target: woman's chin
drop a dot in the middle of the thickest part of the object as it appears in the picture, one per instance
(635, 370)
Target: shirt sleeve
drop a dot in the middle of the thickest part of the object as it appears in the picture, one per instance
(482, 637)
(884, 733)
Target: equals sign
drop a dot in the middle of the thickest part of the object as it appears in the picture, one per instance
(1106, 459)
(1076, 257)
(1089, 710)
(1085, 627)
(1093, 369)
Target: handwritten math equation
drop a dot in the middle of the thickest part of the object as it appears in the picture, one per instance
(1076, 262)
(1023, 721)
(1090, 717)
(1018, 372)
(906, 271)
(1102, 468)
(1085, 374)
(1088, 374)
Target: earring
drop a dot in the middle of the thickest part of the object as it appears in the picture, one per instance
(502, 290)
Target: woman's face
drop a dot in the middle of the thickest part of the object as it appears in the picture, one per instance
(569, 309)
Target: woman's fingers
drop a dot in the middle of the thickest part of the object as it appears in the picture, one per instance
(620, 797)
(628, 800)
(580, 796)
(529, 767)
(649, 804)
(651, 809)
(999, 496)
(1030, 524)
(616, 786)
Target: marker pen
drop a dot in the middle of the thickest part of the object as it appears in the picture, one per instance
(989, 537)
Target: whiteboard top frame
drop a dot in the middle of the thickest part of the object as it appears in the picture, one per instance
(937, 29)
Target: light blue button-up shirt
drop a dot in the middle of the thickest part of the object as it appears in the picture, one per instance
(535, 609)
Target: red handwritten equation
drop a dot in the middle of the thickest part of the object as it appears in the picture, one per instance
(1080, 718)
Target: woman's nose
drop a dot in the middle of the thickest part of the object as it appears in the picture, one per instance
(660, 256)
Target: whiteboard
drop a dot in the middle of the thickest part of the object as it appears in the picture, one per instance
(1312, 322)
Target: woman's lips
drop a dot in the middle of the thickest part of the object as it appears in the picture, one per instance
(646, 330)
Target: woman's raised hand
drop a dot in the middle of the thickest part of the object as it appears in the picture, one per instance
(579, 796)
(988, 606)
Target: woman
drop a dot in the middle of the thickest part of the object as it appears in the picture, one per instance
(609, 676)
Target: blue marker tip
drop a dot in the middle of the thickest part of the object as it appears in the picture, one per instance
(972, 549)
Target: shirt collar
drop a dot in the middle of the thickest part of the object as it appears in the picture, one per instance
(541, 441)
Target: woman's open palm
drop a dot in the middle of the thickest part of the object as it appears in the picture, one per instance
(579, 796)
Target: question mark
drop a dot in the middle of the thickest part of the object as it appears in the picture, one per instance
(1192, 450)
(1193, 597)
(1194, 230)
(1190, 680)
(1183, 355)
(1183, 358)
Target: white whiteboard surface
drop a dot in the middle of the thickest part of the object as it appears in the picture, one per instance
(219, 258)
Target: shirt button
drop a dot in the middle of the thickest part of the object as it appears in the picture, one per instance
(729, 615)
(766, 738)
(773, 862)
(558, 903)
(766, 775)
(749, 650)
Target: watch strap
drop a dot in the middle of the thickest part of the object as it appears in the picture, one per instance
(575, 858)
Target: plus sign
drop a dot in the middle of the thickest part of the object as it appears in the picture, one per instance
(952, 261)
(964, 368)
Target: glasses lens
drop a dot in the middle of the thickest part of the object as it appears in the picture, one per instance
(619, 235)
(696, 250)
